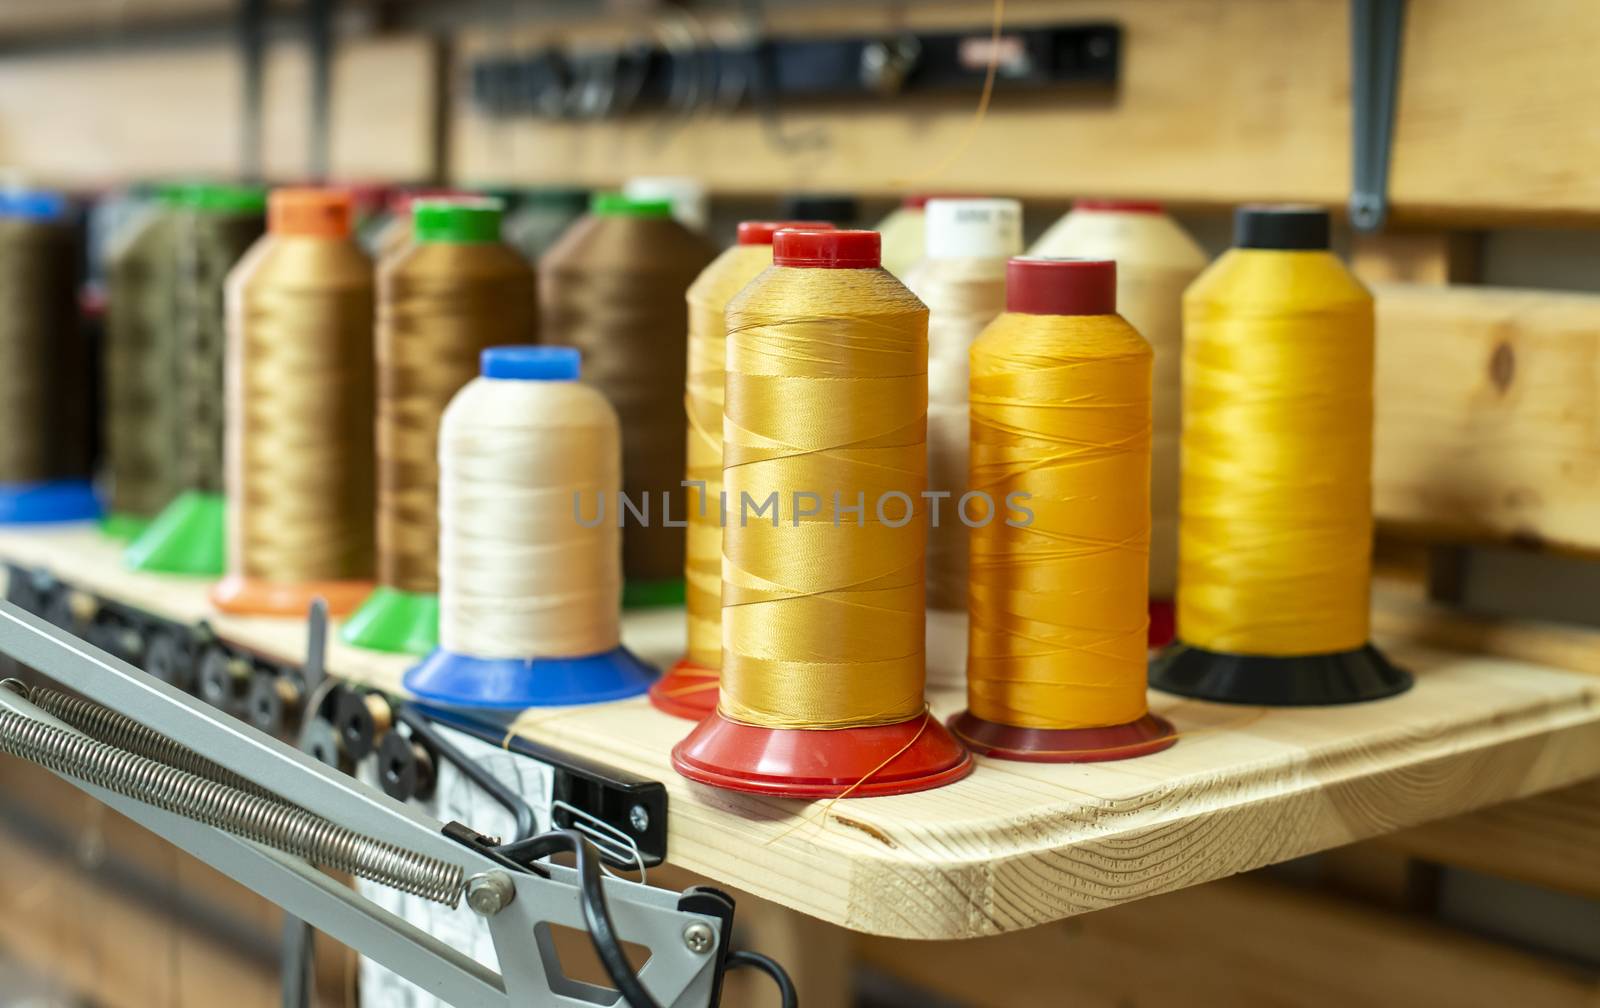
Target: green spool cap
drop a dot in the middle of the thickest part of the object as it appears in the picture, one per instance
(187, 537)
(396, 621)
(639, 594)
(460, 221)
(615, 204)
(553, 198)
(218, 197)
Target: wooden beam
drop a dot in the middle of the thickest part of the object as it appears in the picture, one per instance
(1239, 942)
(90, 120)
(1488, 408)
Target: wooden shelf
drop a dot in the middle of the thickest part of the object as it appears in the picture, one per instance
(1016, 845)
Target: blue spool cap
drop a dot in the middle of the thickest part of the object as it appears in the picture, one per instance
(63, 500)
(33, 204)
(531, 363)
(447, 679)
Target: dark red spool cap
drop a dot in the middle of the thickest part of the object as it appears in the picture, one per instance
(913, 755)
(1117, 205)
(1149, 734)
(817, 249)
(1040, 286)
(760, 232)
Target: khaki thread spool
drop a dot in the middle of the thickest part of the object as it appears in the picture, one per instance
(393, 235)
(452, 293)
(613, 287)
(962, 280)
(689, 689)
(1275, 507)
(139, 360)
(216, 225)
(1156, 260)
(822, 614)
(44, 365)
(528, 586)
(904, 231)
(299, 413)
(1061, 436)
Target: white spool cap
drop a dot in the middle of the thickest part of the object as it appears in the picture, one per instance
(974, 228)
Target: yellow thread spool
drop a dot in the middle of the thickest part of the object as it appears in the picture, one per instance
(1156, 260)
(1060, 567)
(689, 689)
(1275, 534)
(822, 689)
(299, 458)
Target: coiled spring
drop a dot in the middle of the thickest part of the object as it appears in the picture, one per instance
(265, 820)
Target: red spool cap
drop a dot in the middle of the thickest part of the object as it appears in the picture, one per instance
(817, 249)
(1040, 286)
(1115, 205)
(760, 232)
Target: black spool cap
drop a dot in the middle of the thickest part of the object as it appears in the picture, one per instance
(1297, 681)
(1292, 227)
(833, 208)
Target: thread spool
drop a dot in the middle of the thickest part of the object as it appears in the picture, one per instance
(216, 225)
(1156, 260)
(140, 359)
(687, 196)
(299, 413)
(528, 585)
(613, 287)
(904, 231)
(1060, 567)
(455, 291)
(540, 218)
(44, 365)
(1275, 525)
(689, 689)
(393, 235)
(962, 280)
(822, 671)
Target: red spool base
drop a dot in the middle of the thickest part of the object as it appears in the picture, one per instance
(1147, 735)
(797, 763)
(687, 690)
(1163, 623)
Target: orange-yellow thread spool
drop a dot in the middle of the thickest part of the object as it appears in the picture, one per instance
(1059, 574)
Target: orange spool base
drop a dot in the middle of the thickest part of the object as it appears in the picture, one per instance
(799, 763)
(1149, 734)
(687, 690)
(1163, 623)
(247, 596)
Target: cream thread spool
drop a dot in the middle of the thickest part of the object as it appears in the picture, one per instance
(529, 573)
(1156, 260)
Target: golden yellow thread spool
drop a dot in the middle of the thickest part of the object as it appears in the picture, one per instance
(689, 689)
(822, 594)
(1276, 515)
(299, 459)
(1059, 570)
(1156, 260)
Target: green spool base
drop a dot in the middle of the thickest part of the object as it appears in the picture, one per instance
(648, 594)
(399, 622)
(187, 537)
(123, 527)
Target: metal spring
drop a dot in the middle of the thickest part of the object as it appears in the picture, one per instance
(272, 823)
(123, 732)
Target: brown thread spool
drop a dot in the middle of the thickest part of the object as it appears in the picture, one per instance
(613, 287)
(44, 407)
(300, 395)
(455, 291)
(139, 362)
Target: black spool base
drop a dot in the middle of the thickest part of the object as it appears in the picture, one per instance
(1296, 681)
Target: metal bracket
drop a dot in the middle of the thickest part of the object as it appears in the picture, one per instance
(1376, 30)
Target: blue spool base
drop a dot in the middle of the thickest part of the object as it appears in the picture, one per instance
(447, 679)
(63, 500)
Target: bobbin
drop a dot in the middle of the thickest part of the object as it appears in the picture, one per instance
(911, 755)
(452, 679)
(1037, 285)
(689, 689)
(1348, 676)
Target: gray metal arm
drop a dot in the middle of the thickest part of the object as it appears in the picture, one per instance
(679, 974)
